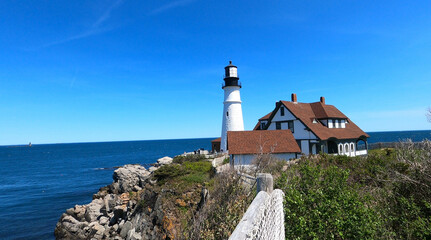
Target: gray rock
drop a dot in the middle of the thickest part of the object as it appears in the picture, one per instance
(152, 169)
(115, 227)
(125, 229)
(92, 210)
(109, 201)
(103, 220)
(129, 176)
(97, 229)
(132, 235)
(164, 161)
(79, 212)
(137, 188)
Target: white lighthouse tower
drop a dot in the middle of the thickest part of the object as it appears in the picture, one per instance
(232, 111)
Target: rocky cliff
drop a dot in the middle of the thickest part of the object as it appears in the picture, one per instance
(134, 206)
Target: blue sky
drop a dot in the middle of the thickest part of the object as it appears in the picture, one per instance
(112, 70)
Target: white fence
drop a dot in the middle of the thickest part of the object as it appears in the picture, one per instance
(264, 218)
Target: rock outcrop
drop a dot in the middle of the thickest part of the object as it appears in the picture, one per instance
(129, 208)
(135, 206)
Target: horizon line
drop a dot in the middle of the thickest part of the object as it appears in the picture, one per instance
(167, 139)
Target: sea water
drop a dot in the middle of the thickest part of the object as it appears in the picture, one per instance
(38, 183)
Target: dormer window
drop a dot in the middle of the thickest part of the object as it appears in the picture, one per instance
(262, 125)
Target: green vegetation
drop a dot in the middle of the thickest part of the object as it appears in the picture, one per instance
(188, 172)
(185, 180)
(385, 195)
(189, 158)
(223, 211)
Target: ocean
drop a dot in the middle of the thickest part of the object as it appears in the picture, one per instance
(38, 183)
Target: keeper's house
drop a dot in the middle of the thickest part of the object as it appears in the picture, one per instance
(316, 127)
(243, 146)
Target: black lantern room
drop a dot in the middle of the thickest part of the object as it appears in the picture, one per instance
(231, 76)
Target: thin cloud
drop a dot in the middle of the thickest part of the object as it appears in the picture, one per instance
(85, 34)
(170, 5)
(107, 14)
(95, 28)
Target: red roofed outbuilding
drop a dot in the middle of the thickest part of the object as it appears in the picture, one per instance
(244, 146)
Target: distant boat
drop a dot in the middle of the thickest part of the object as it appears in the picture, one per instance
(29, 144)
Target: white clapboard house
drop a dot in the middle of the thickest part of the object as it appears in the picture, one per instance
(316, 127)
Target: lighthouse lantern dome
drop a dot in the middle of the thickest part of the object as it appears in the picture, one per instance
(231, 70)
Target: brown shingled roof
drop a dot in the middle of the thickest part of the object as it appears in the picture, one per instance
(217, 140)
(266, 117)
(255, 142)
(306, 112)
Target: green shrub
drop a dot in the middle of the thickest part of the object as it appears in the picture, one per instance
(385, 195)
(189, 158)
(195, 178)
(319, 203)
(204, 167)
(169, 171)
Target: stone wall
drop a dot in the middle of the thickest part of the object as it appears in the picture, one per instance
(264, 218)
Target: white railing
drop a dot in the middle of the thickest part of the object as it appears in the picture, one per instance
(264, 218)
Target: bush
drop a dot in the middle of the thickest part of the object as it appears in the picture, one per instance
(189, 172)
(189, 158)
(224, 209)
(169, 171)
(319, 203)
(385, 195)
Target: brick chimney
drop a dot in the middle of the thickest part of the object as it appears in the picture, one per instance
(294, 98)
(322, 100)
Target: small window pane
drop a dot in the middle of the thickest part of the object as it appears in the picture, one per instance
(278, 125)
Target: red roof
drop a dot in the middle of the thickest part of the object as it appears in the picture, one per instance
(217, 140)
(266, 117)
(256, 142)
(307, 112)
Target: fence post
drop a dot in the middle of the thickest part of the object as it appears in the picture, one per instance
(264, 182)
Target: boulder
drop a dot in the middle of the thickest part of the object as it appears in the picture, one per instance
(79, 211)
(132, 235)
(92, 210)
(103, 220)
(152, 168)
(129, 176)
(125, 229)
(164, 161)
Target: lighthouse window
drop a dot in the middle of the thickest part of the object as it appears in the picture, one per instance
(227, 114)
(282, 111)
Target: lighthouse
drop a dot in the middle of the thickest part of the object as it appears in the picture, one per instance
(232, 111)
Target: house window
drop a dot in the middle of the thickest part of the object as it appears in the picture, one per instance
(278, 125)
(262, 125)
(282, 111)
(290, 126)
